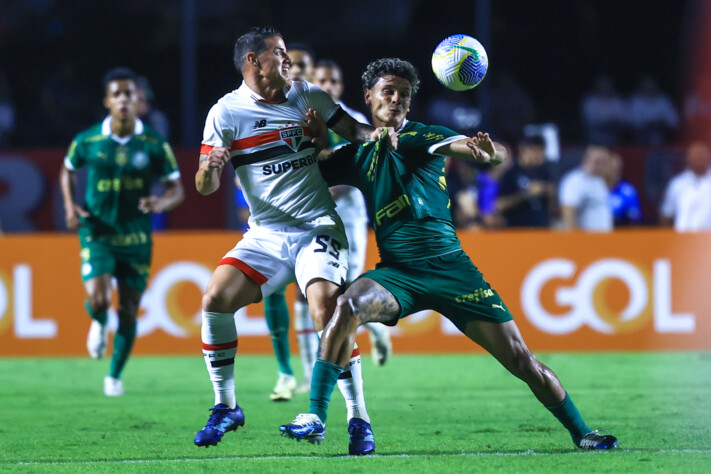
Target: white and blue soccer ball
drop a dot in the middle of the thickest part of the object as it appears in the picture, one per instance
(460, 62)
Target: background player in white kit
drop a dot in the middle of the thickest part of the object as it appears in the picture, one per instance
(350, 205)
(295, 234)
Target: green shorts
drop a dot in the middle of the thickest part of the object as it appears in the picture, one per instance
(123, 258)
(449, 284)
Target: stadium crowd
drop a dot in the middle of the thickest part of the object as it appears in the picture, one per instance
(539, 186)
(641, 129)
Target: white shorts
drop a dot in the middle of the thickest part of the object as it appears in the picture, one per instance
(357, 233)
(273, 258)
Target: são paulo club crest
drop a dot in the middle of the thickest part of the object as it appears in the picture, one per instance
(292, 137)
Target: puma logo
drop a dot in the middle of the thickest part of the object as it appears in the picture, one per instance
(501, 307)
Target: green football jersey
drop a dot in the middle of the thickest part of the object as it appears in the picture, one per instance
(405, 189)
(335, 140)
(120, 171)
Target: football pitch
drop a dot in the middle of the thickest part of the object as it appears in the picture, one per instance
(430, 413)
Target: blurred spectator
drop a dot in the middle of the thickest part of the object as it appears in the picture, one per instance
(7, 110)
(604, 113)
(463, 194)
(147, 112)
(513, 108)
(550, 134)
(652, 114)
(302, 62)
(584, 198)
(697, 111)
(526, 191)
(624, 200)
(452, 109)
(687, 200)
(474, 189)
(66, 105)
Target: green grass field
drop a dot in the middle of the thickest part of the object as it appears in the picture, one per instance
(433, 413)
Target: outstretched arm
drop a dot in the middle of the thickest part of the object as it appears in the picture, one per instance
(480, 148)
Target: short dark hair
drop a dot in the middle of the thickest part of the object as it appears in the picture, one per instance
(301, 47)
(118, 74)
(532, 140)
(390, 67)
(254, 40)
(329, 63)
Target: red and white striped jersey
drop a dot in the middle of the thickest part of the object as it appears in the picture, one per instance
(271, 151)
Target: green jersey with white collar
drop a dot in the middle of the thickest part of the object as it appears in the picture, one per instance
(120, 171)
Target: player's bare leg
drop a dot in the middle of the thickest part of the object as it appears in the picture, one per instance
(321, 296)
(228, 290)
(505, 343)
(98, 292)
(306, 336)
(364, 301)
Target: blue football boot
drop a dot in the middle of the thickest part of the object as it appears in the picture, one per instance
(362, 441)
(222, 420)
(305, 426)
(596, 440)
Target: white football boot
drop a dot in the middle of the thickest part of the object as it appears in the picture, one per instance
(284, 388)
(113, 387)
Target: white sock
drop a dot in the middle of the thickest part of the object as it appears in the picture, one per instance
(350, 383)
(219, 346)
(306, 335)
(376, 329)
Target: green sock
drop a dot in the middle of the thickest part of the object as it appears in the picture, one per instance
(123, 342)
(276, 313)
(98, 317)
(324, 379)
(570, 417)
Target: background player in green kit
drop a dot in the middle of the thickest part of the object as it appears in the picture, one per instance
(422, 263)
(124, 158)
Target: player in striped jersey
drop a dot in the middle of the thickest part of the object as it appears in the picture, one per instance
(262, 129)
(423, 264)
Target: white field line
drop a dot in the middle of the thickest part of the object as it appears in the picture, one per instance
(530, 452)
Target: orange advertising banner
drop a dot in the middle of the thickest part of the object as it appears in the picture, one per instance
(632, 290)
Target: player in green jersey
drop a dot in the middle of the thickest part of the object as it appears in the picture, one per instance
(123, 158)
(423, 265)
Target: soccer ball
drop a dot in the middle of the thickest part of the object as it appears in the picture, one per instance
(459, 62)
